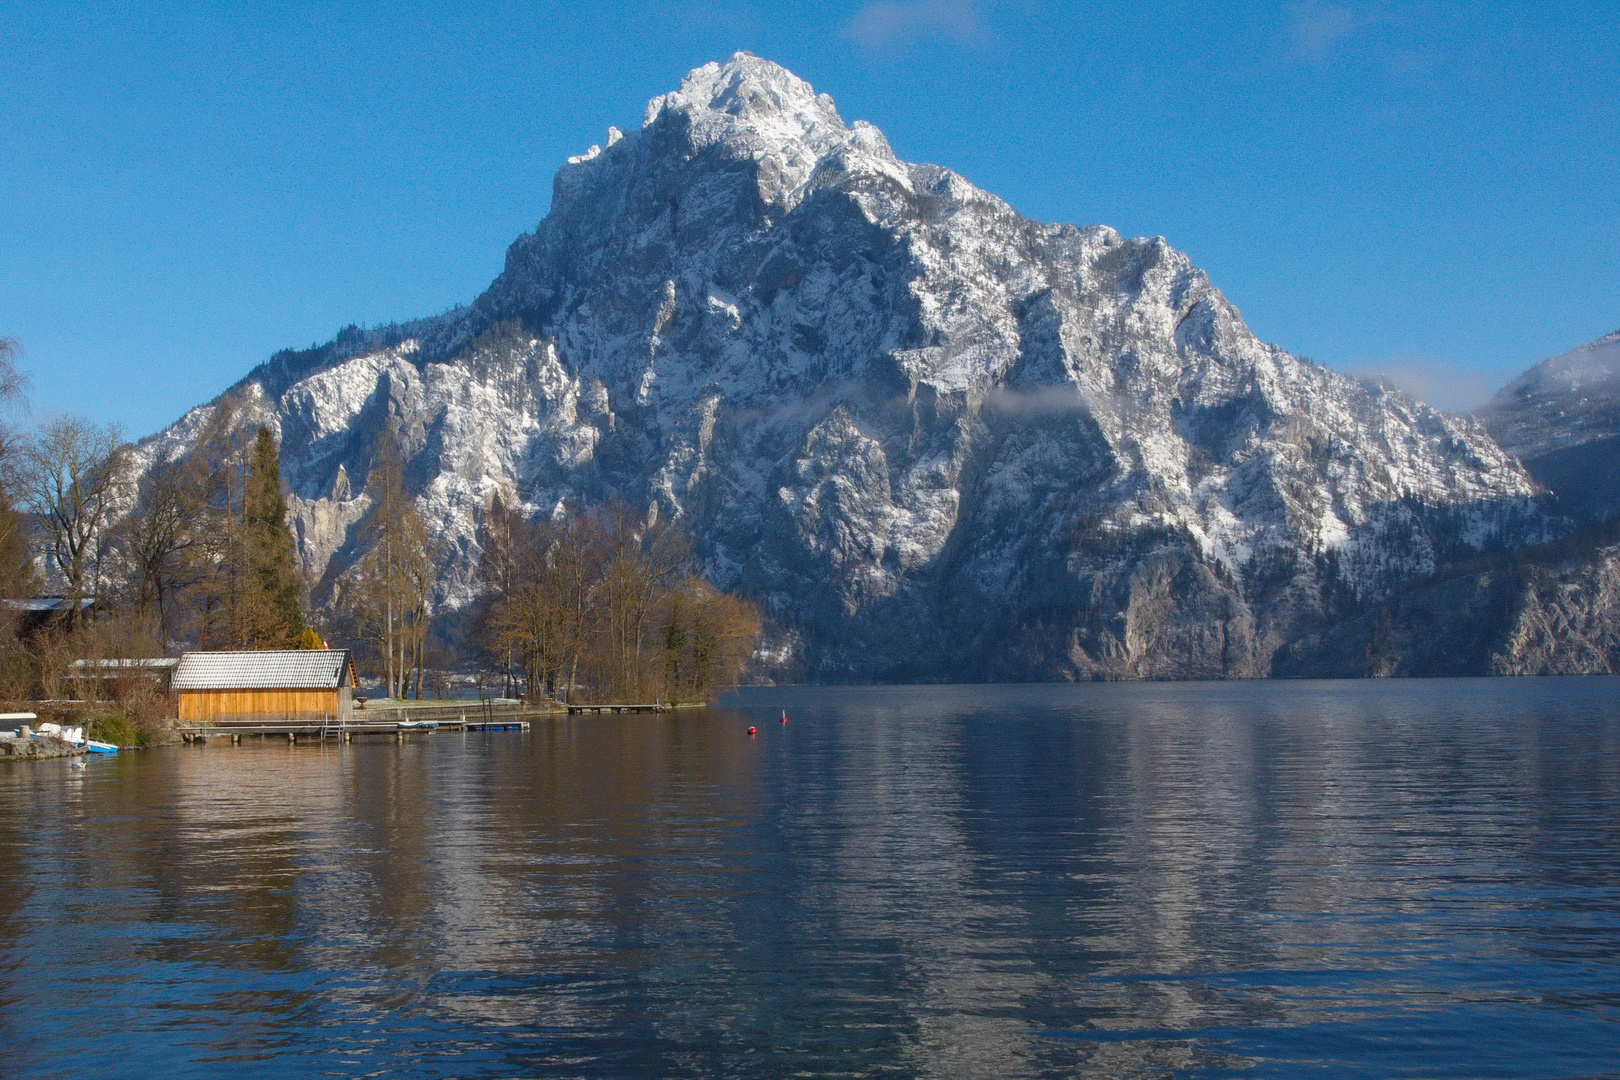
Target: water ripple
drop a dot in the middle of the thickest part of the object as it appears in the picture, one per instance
(1268, 879)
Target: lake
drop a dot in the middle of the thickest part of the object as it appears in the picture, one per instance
(1283, 879)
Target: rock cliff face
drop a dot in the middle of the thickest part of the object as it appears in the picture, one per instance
(933, 438)
(1567, 621)
(1535, 612)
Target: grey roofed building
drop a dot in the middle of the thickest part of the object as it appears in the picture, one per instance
(157, 668)
(36, 612)
(292, 669)
(112, 667)
(48, 603)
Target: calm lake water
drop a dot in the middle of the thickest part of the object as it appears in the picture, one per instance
(1252, 879)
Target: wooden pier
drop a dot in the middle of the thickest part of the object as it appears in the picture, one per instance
(398, 722)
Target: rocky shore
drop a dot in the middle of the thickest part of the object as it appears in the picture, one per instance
(37, 747)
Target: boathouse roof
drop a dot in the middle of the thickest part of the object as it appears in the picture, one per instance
(265, 669)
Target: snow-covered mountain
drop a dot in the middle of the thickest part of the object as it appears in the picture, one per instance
(1562, 418)
(932, 437)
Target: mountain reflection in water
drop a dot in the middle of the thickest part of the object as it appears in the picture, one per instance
(1276, 879)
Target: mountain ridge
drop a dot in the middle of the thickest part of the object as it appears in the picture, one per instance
(1562, 419)
(931, 436)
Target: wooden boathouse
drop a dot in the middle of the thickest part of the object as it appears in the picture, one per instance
(265, 687)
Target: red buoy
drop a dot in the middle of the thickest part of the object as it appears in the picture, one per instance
(784, 716)
(751, 731)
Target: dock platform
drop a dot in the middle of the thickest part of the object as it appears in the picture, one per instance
(388, 721)
(376, 722)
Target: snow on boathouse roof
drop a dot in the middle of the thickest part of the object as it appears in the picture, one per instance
(155, 663)
(292, 669)
(48, 603)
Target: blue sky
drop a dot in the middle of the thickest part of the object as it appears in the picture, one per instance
(1426, 190)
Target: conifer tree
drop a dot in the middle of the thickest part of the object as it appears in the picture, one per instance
(211, 479)
(272, 573)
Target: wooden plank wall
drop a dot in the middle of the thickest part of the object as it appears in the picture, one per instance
(205, 705)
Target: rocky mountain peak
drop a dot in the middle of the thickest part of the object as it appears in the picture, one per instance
(749, 101)
(752, 110)
(929, 435)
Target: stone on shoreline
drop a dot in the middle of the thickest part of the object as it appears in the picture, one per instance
(40, 746)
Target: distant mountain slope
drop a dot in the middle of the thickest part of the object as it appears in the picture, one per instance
(1550, 609)
(1562, 419)
(934, 438)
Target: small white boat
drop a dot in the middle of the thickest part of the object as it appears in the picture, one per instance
(418, 725)
(74, 735)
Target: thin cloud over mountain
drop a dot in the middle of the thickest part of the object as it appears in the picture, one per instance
(895, 24)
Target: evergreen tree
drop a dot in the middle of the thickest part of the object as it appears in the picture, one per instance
(268, 547)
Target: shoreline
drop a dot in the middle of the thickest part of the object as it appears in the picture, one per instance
(38, 748)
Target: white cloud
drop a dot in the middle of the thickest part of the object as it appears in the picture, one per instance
(1315, 28)
(890, 24)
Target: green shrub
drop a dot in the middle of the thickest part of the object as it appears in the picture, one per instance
(117, 729)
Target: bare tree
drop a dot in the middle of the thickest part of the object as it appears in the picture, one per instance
(529, 623)
(158, 537)
(14, 554)
(13, 395)
(54, 648)
(501, 536)
(72, 476)
(16, 560)
(387, 594)
(380, 565)
(647, 557)
(544, 582)
(419, 556)
(716, 636)
(604, 601)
